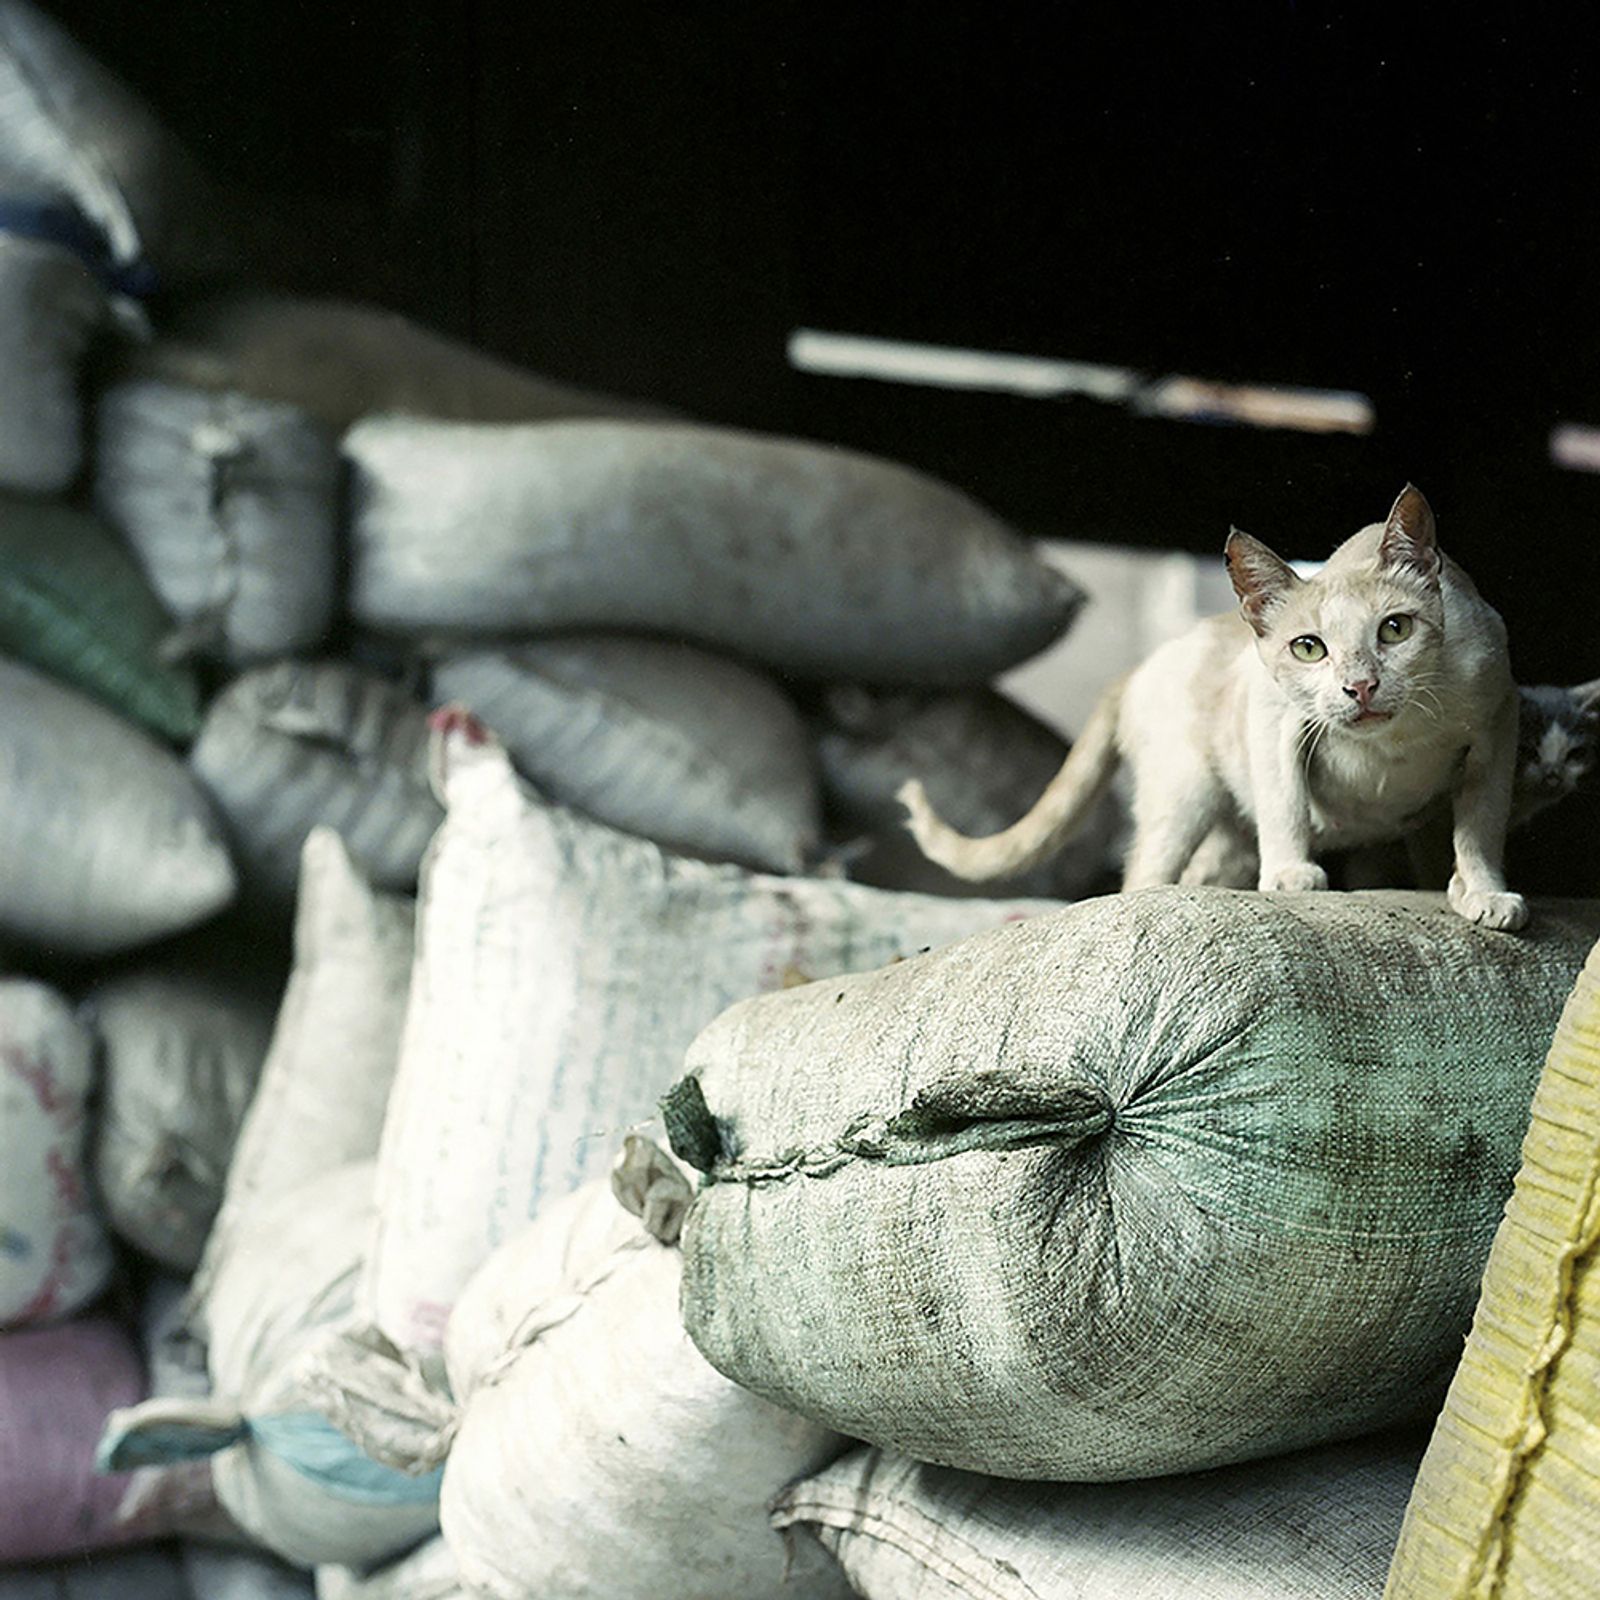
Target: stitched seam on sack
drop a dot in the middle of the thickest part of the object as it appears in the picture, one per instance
(1488, 1570)
(849, 1518)
(858, 1144)
(549, 1314)
(1489, 1566)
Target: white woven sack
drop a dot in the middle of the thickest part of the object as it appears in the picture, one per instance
(105, 840)
(323, 1089)
(985, 761)
(1318, 1525)
(231, 505)
(818, 561)
(562, 970)
(182, 1045)
(50, 306)
(54, 1253)
(216, 1573)
(426, 1573)
(590, 1451)
(69, 130)
(301, 743)
(700, 753)
(286, 1476)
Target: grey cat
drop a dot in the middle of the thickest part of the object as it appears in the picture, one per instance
(1558, 745)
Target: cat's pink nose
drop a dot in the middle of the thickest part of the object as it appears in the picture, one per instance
(1362, 692)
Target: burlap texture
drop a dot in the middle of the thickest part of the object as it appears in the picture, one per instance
(1155, 1183)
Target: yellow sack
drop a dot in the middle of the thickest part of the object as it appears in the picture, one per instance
(1506, 1505)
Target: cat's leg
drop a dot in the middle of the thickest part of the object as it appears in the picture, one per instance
(1225, 859)
(1173, 810)
(1482, 805)
(1282, 801)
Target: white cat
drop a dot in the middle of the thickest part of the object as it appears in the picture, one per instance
(1327, 713)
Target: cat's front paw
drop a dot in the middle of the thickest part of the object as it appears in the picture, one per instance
(1297, 875)
(1489, 908)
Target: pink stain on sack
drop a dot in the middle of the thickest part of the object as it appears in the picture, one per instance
(38, 1075)
(56, 1387)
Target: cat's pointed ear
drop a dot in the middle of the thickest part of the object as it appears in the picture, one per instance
(1586, 696)
(1410, 538)
(1261, 578)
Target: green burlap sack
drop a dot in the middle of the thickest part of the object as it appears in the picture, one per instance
(74, 604)
(1159, 1182)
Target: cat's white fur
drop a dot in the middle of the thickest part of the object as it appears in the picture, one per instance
(1239, 752)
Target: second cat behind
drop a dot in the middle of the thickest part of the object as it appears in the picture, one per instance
(1328, 712)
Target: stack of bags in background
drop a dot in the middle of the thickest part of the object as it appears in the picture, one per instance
(1091, 1259)
(229, 523)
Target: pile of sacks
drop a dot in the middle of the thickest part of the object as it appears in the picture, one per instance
(418, 773)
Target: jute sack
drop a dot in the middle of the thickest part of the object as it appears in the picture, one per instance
(1164, 1181)
(697, 752)
(74, 604)
(182, 1043)
(590, 1450)
(54, 1253)
(105, 841)
(231, 504)
(301, 743)
(70, 130)
(50, 307)
(984, 761)
(319, 1103)
(1504, 1505)
(562, 968)
(815, 560)
(1318, 1525)
(342, 360)
(291, 1480)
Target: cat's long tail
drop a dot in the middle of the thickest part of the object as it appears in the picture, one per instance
(1053, 819)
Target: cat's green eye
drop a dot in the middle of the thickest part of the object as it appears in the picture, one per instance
(1393, 629)
(1308, 647)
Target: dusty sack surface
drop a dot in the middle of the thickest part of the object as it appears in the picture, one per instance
(1317, 1525)
(1504, 1504)
(1155, 1183)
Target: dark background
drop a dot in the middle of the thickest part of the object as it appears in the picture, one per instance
(648, 197)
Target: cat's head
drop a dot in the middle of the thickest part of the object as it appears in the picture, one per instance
(1558, 744)
(1357, 644)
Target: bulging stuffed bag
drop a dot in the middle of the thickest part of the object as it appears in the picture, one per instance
(281, 1470)
(589, 1450)
(55, 1255)
(815, 560)
(324, 1086)
(342, 360)
(562, 968)
(50, 308)
(1163, 1181)
(1316, 1525)
(299, 744)
(231, 504)
(105, 841)
(702, 754)
(182, 1040)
